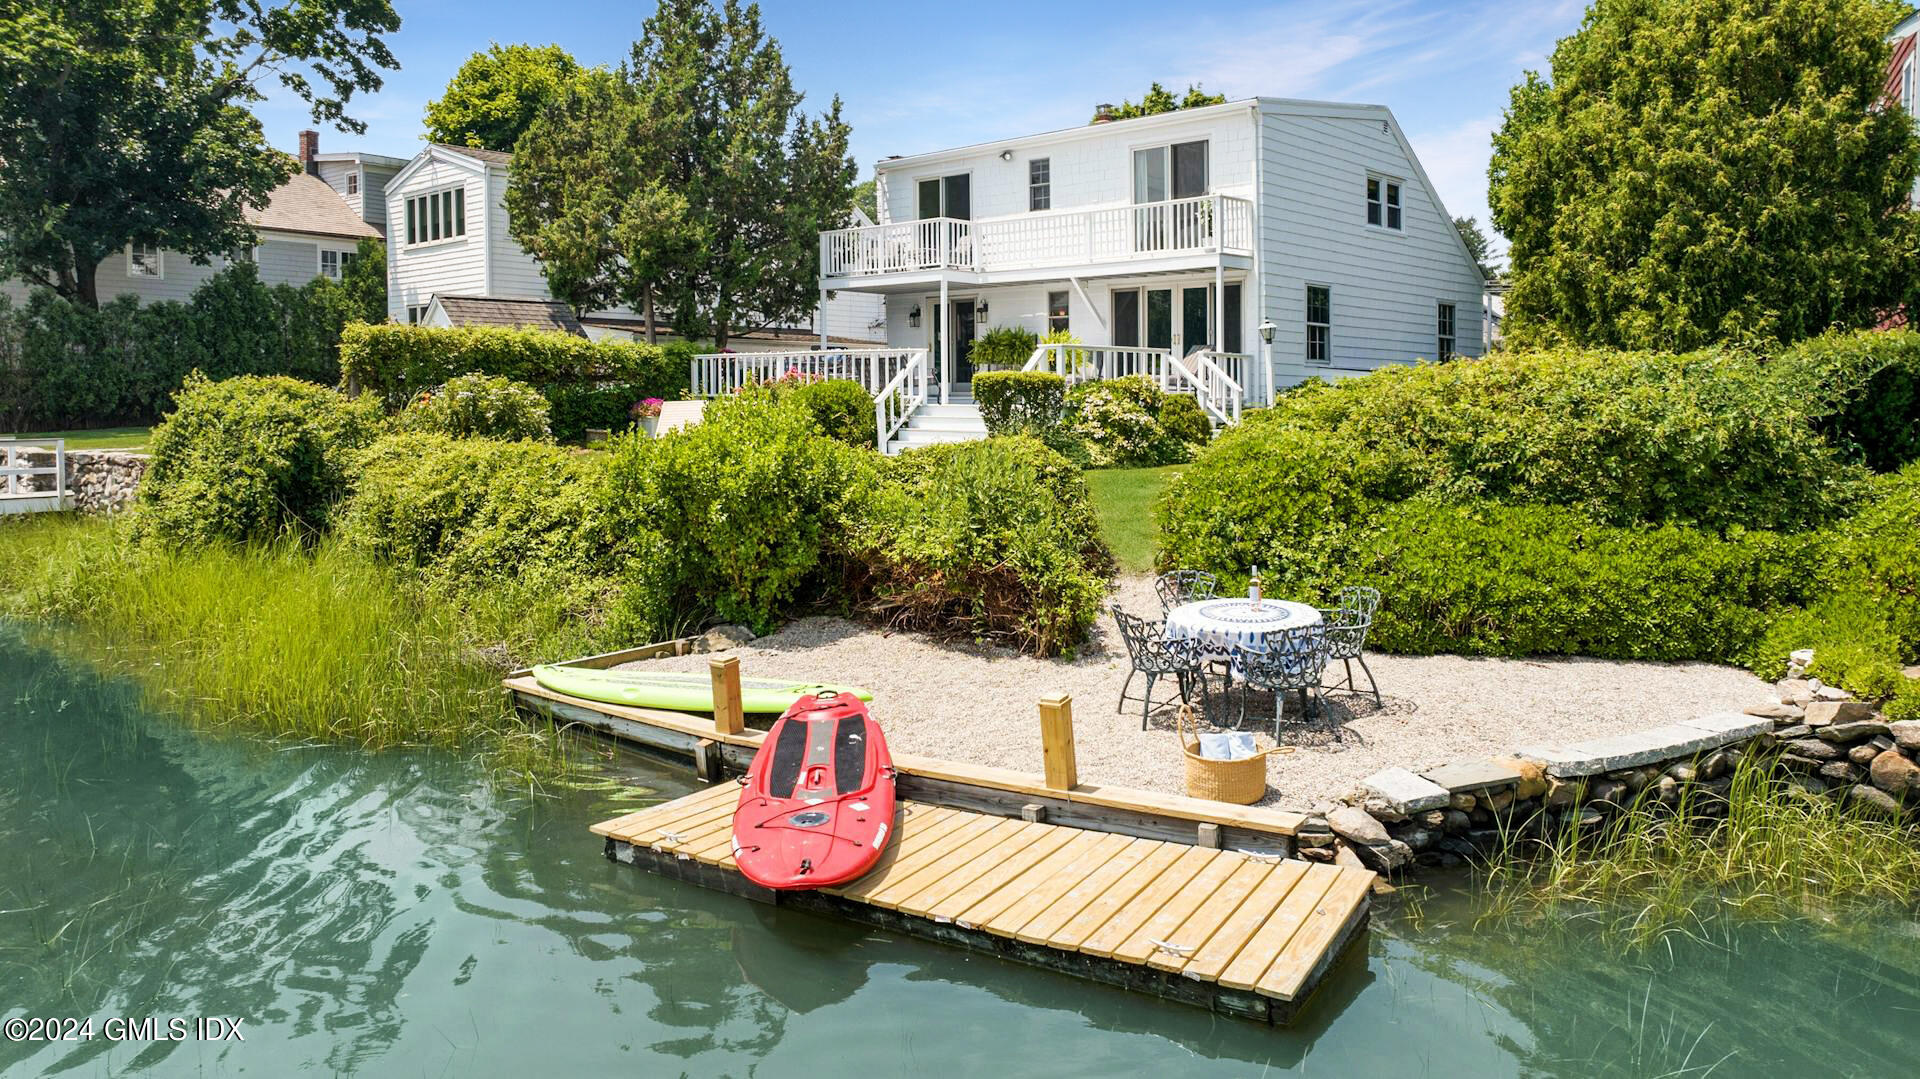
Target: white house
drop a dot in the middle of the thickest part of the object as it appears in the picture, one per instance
(360, 179)
(1164, 244)
(448, 237)
(305, 231)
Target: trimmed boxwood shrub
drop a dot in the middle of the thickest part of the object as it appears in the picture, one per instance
(1184, 419)
(841, 407)
(993, 540)
(1012, 402)
(475, 508)
(479, 406)
(742, 516)
(250, 459)
(589, 383)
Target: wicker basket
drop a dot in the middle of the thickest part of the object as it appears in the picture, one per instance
(1241, 782)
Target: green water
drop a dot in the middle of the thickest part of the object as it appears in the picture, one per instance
(396, 914)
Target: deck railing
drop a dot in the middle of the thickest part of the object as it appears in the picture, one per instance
(1205, 225)
(716, 373)
(26, 486)
(1214, 378)
(899, 399)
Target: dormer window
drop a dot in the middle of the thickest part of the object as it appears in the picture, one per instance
(1383, 202)
(353, 183)
(144, 260)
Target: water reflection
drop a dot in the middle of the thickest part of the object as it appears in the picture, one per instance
(400, 914)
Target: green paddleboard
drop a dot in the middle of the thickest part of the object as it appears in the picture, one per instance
(677, 691)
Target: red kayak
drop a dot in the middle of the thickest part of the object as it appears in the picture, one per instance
(818, 805)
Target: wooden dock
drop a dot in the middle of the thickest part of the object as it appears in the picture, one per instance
(1242, 933)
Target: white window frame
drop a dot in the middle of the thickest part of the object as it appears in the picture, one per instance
(417, 313)
(1446, 330)
(1165, 150)
(156, 269)
(424, 213)
(353, 183)
(1386, 202)
(1326, 328)
(1039, 190)
(243, 254)
(943, 177)
(1064, 320)
(341, 259)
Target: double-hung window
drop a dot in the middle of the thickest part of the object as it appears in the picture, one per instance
(1383, 202)
(353, 183)
(1444, 347)
(438, 215)
(334, 263)
(144, 260)
(1056, 312)
(1319, 325)
(1040, 184)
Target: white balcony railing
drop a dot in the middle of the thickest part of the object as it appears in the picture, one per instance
(1206, 225)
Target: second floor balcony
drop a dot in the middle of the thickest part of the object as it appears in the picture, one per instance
(1051, 240)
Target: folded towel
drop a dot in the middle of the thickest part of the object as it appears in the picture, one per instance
(1231, 746)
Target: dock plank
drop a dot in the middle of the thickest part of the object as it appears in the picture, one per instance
(1282, 924)
(1116, 896)
(907, 858)
(997, 835)
(953, 896)
(1050, 919)
(1213, 875)
(1006, 911)
(1237, 932)
(1145, 906)
(1345, 899)
(1172, 951)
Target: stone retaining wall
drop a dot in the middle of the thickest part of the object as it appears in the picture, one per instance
(1825, 740)
(101, 481)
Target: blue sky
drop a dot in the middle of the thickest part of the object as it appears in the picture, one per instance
(916, 77)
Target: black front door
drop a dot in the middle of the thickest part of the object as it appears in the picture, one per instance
(962, 342)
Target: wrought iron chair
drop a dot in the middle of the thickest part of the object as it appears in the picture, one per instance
(1291, 661)
(1153, 655)
(1346, 623)
(1184, 586)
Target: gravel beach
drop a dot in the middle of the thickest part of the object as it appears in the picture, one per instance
(972, 703)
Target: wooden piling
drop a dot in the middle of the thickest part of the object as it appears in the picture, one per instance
(728, 717)
(1056, 742)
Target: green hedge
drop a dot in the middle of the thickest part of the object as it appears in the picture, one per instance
(841, 407)
(479, 406)
(1119, 418)
(1015, 401)
(250, 459)
(63, 365)
(1863, 389)
(590, 384)
(992, 540)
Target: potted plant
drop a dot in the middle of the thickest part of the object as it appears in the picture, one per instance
(647, 414)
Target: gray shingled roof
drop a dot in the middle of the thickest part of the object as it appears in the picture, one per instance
(491, 157)
(512, 314)
(306, 204)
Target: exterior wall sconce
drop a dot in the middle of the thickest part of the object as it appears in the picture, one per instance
(1006, 155)
(913, 317)
(982, 310)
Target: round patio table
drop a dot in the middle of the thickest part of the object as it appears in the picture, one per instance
(1220, 624)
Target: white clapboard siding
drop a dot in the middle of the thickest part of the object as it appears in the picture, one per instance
(416, 273)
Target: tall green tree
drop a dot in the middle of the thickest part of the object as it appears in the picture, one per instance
(125, 121)
(1476, 241)
(1159, 99)
(1704, 170)
(493, 98)
(761, 179)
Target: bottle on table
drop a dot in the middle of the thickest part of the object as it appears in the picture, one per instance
(1253, 589)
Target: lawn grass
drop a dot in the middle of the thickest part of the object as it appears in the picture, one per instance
(1123, 498)
(102, 438)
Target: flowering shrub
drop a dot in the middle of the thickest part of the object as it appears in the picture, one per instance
(1119, 419)
(479, 406)
(647, 409)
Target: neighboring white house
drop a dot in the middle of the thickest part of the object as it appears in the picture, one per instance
(448, 237)
(1902, 85)
(305, 231)
(360, 179)
(1167, 241)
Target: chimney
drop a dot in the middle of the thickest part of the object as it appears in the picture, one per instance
(1103, 114)
(309, 146)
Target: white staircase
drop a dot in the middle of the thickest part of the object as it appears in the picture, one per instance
(932, 424)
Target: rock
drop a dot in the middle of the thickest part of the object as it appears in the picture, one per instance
(1637, 779)
(1480, 816)
(1463, 802)
(1589, 819)
(1667, 789)
(1313, 839)
(1816, 748)
(1315, 822)
(1316, 854)
(1405, 792)
(1831, 693)
(1794, 762)
(721, 638)
(1853, 731)
(1457, 821)
(1894, 773)
(1797, 730)
(1864, 753)
(1682, 771)
(1881, 742)
(1434, 818)
(1562, 793)
(1381, 887)
(1356, 825)
(1418, 838)
(1840, 771)
(1381, 809)
(1344, 855)
(1496, 801)
(1654, 745)
(1775, 710)
(1906, 733)
(1381, 857)
(1824, 713)
(1876, 800)
(1810, 784)
(1794, 691)
(1912, 672)
(1610, 791)
(1533, 777)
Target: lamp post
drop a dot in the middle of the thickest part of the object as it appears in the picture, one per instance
(1266, 355)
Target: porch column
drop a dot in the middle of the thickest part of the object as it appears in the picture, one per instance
(820, 316)
(1219, 341)
(946, 339)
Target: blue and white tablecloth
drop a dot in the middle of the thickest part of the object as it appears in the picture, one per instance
(1220, 624)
